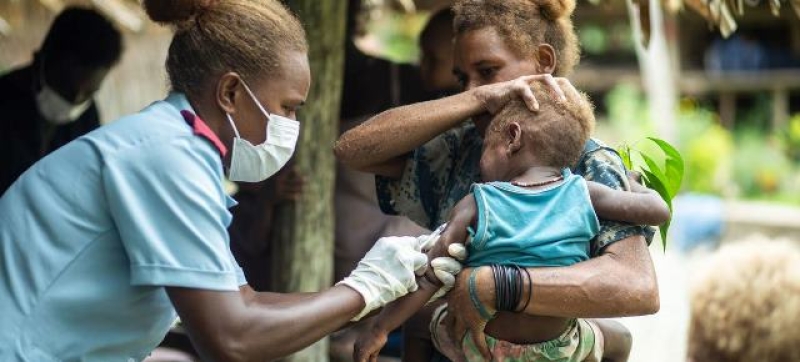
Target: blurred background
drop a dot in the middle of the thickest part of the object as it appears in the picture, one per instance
(718, 79)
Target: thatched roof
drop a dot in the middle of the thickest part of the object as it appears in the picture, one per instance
(722, 14)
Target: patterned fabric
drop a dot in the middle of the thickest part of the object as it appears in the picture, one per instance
(440, 173)
(581, 342)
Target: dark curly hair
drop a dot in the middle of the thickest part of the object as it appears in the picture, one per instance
(525, 24)
(85, 35)
(214, 36)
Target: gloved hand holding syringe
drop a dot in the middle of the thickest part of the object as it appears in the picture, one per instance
(390, 268)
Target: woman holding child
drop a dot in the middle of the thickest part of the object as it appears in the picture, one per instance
(426, 156)
(106, 241)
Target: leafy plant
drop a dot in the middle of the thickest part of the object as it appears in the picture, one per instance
(760, 167)
(791, 138)
(662, 172)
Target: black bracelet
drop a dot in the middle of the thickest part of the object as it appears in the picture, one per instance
(498, 286)
(509, 286)
(519, 287)
(530, 290)
(511, 279)
(518, 280)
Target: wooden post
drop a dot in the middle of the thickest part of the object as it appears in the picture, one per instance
(780, 109)
(727, 109)
(303, 235)
(655, 65)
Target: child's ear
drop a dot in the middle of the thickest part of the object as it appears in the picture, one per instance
(546, 57)
(514, 133)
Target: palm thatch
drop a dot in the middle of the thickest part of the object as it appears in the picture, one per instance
(723, 13)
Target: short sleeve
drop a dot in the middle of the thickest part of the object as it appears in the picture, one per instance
(168, 204)
(419, 192)
(241, 279)
(603, 164)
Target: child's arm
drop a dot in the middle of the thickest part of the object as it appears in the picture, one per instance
(370, 342)
(640, 205)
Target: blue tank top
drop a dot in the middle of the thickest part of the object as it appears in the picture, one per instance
(532, 228)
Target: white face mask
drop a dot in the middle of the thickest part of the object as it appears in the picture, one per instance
(57, 110)
(257, 163)
(54, 108)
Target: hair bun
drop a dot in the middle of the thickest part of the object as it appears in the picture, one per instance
(555, 9)
(175, 12)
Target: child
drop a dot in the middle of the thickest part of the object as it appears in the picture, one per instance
(531, 212)
(745, 303)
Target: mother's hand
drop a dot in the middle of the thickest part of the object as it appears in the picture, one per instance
(463, 315)
(495, 96)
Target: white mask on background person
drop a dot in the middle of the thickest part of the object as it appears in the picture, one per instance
(54, 108)
(251, 163)
(57, 110)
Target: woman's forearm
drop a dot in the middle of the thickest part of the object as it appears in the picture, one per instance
(257, 328)
(299, 323)
(620, 282)
(400, 130)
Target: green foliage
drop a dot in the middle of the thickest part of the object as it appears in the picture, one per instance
(761, 168)
(593, 39)
(628, 114)
(599, 38)
(394, 36)
(790, 138)
(758, 114)
(662, 171)
(750, 162)
(708, 149)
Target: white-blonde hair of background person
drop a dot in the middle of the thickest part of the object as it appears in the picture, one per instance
(745, 304)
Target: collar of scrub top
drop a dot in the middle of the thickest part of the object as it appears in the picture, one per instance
(199, 127)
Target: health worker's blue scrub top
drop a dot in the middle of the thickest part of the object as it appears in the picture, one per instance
(91, 234)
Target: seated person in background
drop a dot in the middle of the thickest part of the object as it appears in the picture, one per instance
(436, 56)
(49, 103)
(745, 304)
(531, 211)
(254, 221)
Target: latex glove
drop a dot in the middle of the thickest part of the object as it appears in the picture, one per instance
(445, 270)
(387, 272)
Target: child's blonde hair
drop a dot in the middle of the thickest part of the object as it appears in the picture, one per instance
(557, 133)
(745, 305)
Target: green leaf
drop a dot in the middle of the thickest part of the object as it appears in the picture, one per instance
(663, 231)
(655, 183)
(668, 149)
(674, 165)
(664, 178)
(654, 169)
(625, 153)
